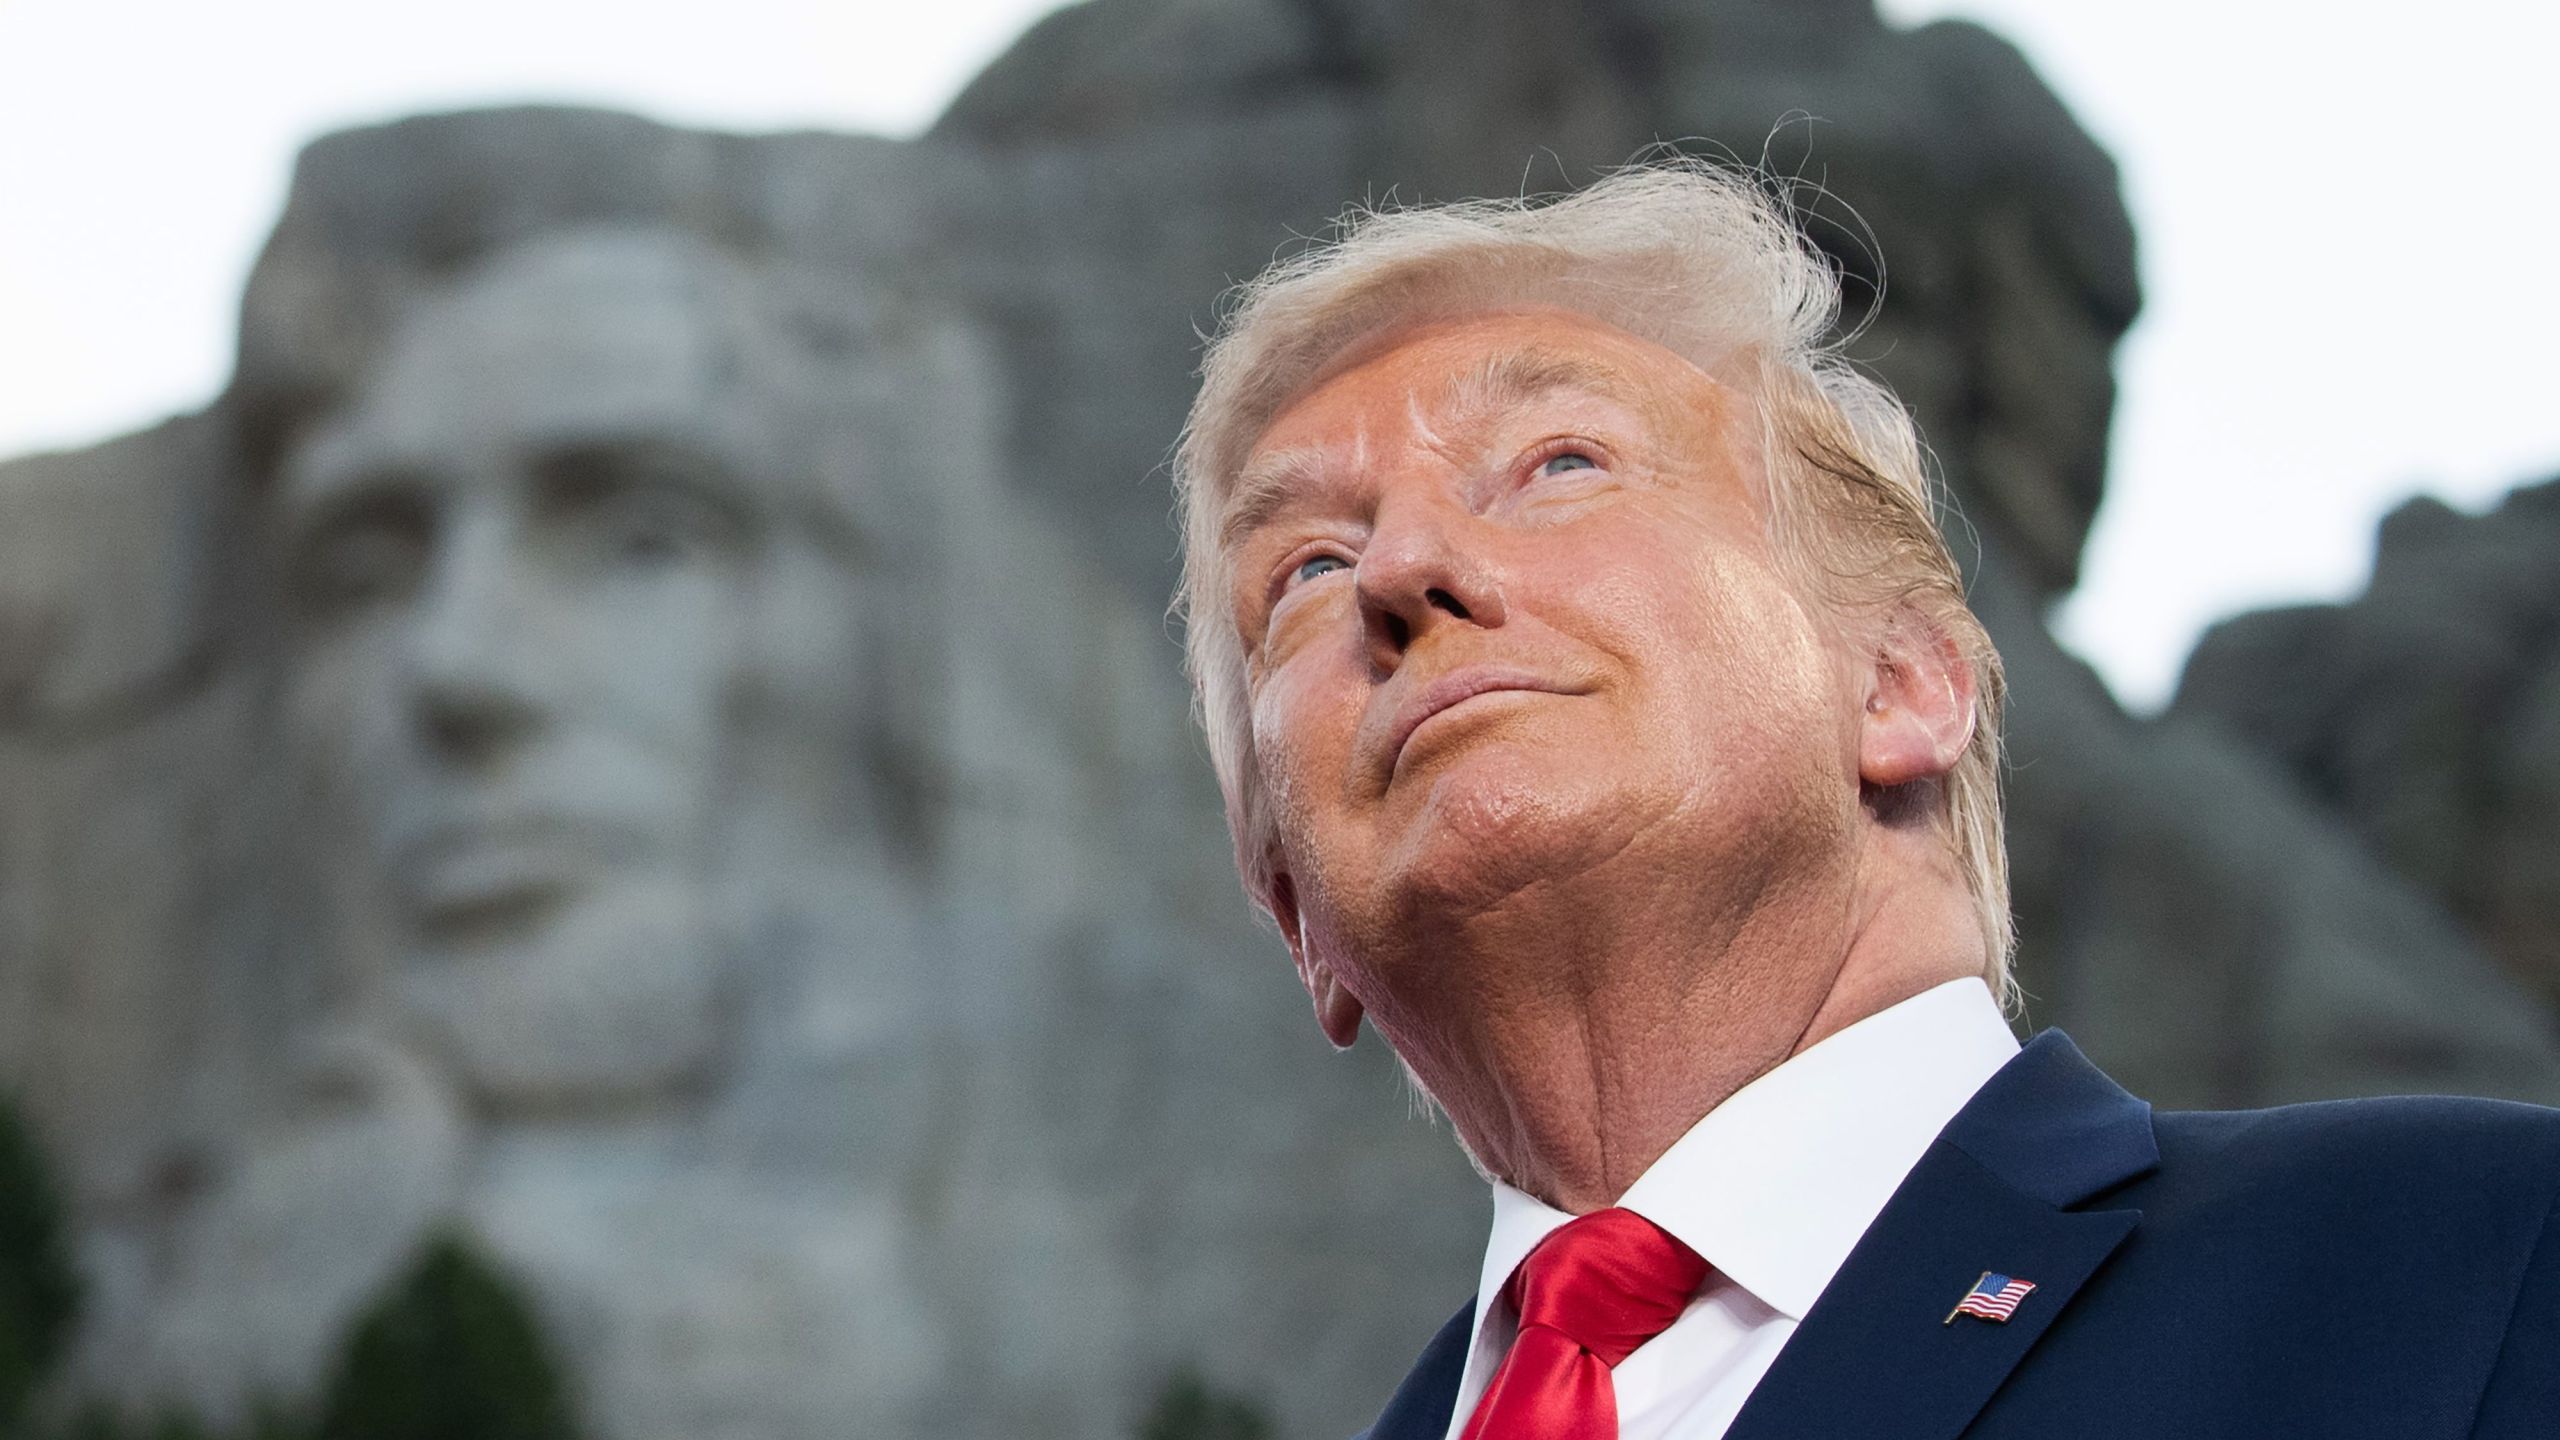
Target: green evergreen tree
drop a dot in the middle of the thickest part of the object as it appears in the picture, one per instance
(1189, 1408)
(39, 1289)
(449, 1352)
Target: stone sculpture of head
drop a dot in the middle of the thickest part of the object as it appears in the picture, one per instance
(612, 553)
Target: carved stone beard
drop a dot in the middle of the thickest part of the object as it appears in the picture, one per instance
(610, 1001)
(786, 942)
(782, 1194)
(616, 1000)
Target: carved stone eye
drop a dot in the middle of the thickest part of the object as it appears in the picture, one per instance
(372, 551)
(640, 505)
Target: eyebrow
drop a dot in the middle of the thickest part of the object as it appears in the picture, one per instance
(1268, 485)
(1265, 488)
(1506, 380)
(315, 496)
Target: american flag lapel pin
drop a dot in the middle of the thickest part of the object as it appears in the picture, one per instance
(1994, 1297)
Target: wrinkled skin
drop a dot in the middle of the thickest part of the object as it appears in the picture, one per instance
(1576, 794)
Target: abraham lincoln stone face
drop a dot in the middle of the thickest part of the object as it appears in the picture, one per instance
(536, 564)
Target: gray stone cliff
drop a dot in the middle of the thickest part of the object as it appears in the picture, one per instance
(2425, 714)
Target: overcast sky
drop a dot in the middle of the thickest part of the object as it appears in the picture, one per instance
(2345, 226)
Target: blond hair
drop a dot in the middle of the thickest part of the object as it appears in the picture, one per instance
(1697, 258)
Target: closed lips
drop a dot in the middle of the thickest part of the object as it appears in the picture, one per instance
(462, 864)
(1454, 689)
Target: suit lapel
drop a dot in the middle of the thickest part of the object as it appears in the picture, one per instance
(1877, 1354)
(1423, 1404)
(2000, 1190)
(2006, 1187)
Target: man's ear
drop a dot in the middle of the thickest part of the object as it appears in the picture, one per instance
(1919, 704)
(1338, 1011)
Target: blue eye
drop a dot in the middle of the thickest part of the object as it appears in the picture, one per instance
(1569, 460)
(1320, 565)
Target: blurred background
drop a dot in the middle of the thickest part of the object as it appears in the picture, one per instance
(597, 829)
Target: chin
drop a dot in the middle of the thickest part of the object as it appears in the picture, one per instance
(620, 995)
(1487, 825)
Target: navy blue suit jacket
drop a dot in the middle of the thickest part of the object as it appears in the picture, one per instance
(2360, 1268)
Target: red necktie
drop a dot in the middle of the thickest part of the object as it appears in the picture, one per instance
(1587, 1297)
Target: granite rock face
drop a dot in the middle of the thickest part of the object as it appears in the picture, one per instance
(642, 722)
(2425, 713)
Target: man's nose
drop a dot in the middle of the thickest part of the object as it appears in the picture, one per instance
(475, 676)
(1425, 566)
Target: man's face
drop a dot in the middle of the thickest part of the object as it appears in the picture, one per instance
(1512, 623)
(519, 558)
(520, 562)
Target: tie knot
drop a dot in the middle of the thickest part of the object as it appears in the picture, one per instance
(1608, 1281)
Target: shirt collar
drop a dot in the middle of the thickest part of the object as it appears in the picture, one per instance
(1775, 1186)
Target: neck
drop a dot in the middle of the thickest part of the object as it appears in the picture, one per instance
(1574, 1068)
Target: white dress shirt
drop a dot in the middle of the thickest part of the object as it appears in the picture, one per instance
(1773, 1188)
